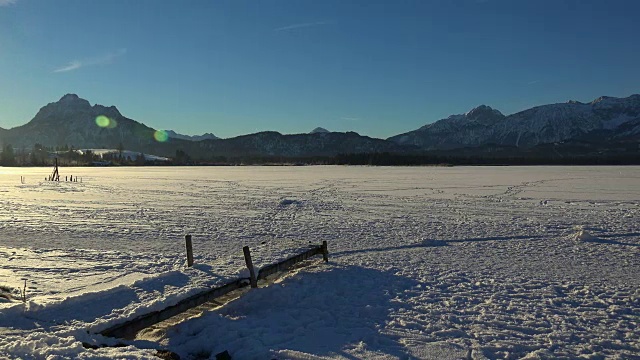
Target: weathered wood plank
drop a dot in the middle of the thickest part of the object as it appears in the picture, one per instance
(284, 265)
(129, 329)
(132, 327)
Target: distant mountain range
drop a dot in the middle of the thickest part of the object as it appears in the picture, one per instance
(614, 118)
(274, 144)
(206, 136)
(602, 126)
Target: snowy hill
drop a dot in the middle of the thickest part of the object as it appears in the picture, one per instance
(539, 125)
(206, 136)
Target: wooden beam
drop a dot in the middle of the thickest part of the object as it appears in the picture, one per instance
(283, 265)
(129, 329)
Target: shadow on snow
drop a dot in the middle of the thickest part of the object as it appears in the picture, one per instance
(322, 313)
(435, 243)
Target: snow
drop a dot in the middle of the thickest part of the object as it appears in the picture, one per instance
(125, 154)
(425, 262)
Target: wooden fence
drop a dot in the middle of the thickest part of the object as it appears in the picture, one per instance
(129, 329)
(288, 263)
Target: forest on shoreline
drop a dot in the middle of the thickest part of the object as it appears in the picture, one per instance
(42, 156)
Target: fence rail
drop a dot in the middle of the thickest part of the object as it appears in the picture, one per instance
(288, 263)
(130, 328)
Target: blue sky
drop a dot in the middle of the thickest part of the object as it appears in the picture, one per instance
(376, 67)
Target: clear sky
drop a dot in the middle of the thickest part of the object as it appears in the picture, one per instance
(375, 67)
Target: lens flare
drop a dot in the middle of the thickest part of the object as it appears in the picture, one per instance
(105, 122)
(161, 136)
(102, 121)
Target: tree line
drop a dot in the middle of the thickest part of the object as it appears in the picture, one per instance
(41, 155)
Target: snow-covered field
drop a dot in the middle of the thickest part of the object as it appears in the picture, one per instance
(426, 262)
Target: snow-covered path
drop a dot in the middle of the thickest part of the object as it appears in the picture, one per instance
(463, 261)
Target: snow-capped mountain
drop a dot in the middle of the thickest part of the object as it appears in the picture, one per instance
(206, 136)
(453, 132)
(539, 125)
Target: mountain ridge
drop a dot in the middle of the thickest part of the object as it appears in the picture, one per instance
(205, 136)
(275, 144)
(538, 125)
(73, 121)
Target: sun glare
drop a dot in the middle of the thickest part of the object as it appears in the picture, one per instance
(105, 122)
(161, 136)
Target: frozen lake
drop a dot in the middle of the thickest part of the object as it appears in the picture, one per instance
(462, 259)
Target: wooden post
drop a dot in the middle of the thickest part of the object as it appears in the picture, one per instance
(325, 251)
(187, 239)
(252, 272)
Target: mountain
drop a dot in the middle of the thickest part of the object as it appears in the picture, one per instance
(73, 121)
(606, 126)
(456, 131)
(319, 130)
(206, 136)
(629, 130)
(274, 144)
(539, 125)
